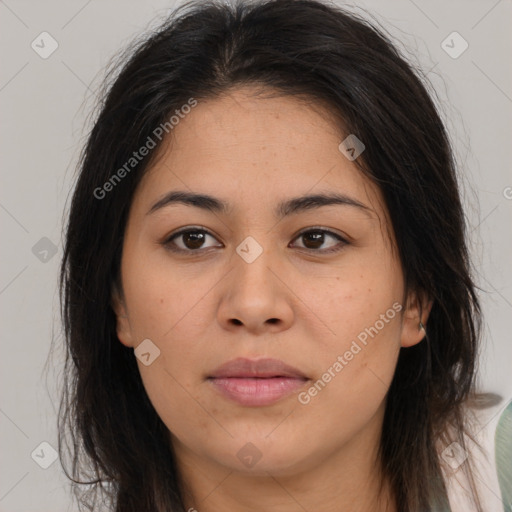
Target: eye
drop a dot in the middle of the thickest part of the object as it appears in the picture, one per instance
(189, 240)
(315, 238)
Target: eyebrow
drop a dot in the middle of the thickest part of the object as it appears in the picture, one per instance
(285, 208)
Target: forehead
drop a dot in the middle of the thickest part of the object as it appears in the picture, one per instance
(252, 149)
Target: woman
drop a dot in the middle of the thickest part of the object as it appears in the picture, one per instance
(266, 288)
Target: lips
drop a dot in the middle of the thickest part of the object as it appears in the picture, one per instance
(261, 368)
(256, 382)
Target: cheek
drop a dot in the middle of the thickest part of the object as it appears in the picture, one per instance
(174, 316)
(164, 301)
(356, 356)
(174, 400)
(352, 302)
(354, 375)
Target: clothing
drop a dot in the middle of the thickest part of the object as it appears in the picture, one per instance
(503, 453)
(492, 462)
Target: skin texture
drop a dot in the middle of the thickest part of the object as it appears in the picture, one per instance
(202, 309)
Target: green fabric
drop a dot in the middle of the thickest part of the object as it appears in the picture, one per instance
(503, 451)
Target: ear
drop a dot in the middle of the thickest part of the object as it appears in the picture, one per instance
(417, 311)
(123, 328)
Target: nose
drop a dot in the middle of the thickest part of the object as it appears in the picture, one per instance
(255, 297)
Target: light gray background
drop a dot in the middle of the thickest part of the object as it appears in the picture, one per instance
(44, 103)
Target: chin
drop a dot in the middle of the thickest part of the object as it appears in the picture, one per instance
(261, 457)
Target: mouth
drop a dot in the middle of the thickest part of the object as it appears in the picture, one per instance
(256, 382)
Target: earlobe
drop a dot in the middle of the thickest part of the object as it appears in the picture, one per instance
(415, 319)
(123, 328)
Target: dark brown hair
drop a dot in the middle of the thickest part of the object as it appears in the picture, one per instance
(310, 50)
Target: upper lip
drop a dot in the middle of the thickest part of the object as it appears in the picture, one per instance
(262, 368)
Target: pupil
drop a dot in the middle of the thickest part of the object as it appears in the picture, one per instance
(317, 238)
(196, 238)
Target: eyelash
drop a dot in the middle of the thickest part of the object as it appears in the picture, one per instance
(169, 244)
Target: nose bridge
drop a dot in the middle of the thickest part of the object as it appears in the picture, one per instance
(254, 262)
(253, 297)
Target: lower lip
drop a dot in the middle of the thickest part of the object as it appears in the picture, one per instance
(254, 392)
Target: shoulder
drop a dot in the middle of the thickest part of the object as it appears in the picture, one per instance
(487, 447)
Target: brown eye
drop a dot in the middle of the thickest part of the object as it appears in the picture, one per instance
(188, 240)
(194, 240)
(313, 240)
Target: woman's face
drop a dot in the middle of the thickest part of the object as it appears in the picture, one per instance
(312, 284)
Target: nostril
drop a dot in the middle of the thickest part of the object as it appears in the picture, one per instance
(270, 320)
